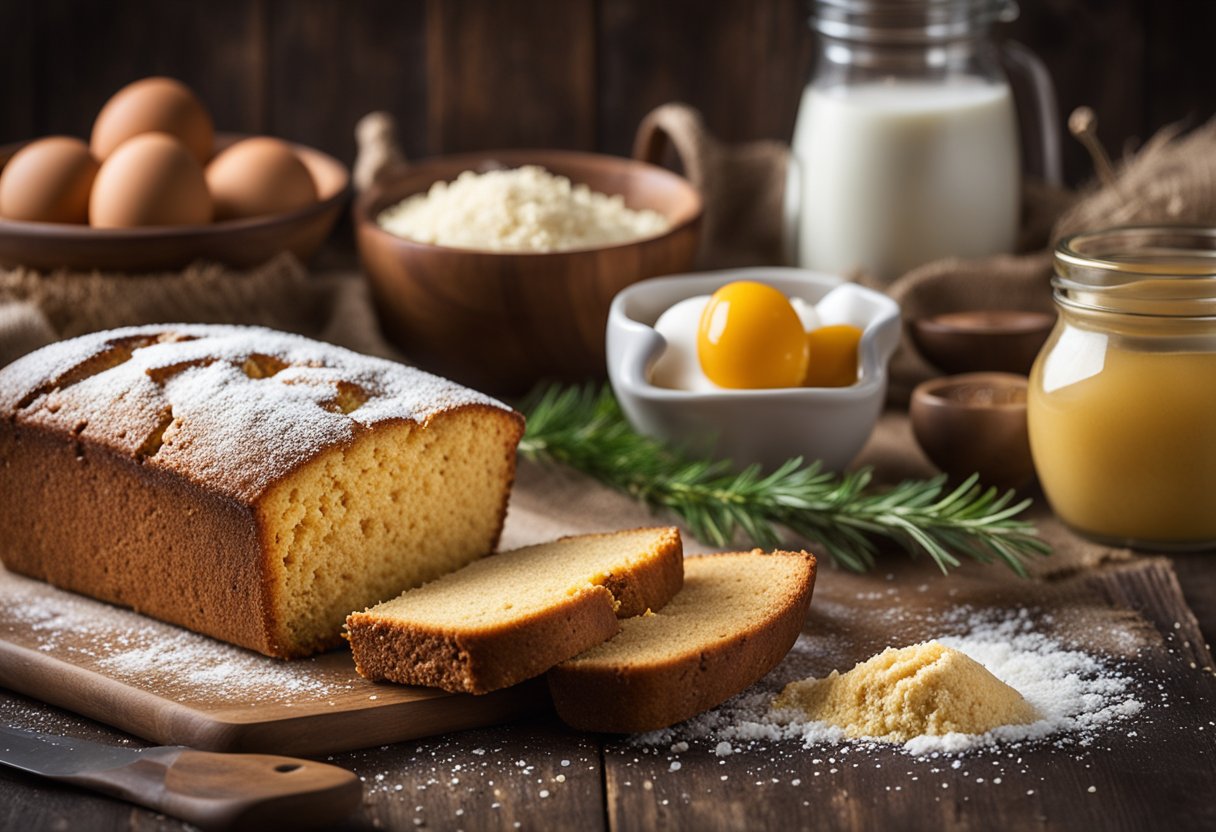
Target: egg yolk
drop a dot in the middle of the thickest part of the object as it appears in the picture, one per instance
(833, 356)
(750, 337)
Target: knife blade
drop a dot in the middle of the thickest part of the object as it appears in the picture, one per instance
(210, 790)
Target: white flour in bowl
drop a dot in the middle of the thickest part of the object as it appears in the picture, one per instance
(524, 209)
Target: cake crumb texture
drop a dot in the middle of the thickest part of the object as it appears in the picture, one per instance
(926, 689)
(510, 617)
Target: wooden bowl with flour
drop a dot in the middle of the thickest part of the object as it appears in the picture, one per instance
(502, 320)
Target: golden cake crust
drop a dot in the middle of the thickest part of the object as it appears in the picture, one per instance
(609, 690)
(134, 463)
(470, 658)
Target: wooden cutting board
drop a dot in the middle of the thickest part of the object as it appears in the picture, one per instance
(175, 687)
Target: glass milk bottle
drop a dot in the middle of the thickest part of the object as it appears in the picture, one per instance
(906, 144)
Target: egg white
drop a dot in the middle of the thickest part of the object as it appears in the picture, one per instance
(677, 366)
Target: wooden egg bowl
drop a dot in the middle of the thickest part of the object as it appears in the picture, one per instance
(501, 321)
(240, 243)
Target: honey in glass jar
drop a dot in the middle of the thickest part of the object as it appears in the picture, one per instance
(1122, 398)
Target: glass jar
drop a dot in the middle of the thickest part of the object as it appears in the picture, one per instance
(906, 146)
(1122, 398)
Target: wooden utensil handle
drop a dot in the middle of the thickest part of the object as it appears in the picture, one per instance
(233, 791)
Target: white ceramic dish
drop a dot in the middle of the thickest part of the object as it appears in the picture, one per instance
(753, 426)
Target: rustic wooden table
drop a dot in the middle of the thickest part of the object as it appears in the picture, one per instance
(539, 775)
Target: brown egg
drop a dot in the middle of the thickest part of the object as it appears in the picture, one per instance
(259, 176)
(154, 105)
(151, 179)
(48, 180)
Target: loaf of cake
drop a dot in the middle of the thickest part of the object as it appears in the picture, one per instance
(247, 484)
(736, 617)
(513, 616)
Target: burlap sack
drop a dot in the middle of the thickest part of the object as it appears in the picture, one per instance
(36, 309)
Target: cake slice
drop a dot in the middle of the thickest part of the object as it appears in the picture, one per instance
(513, 616)
(736, 617)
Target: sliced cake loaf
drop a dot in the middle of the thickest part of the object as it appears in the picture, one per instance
(736, 617)
(248, 484)
(513, 616)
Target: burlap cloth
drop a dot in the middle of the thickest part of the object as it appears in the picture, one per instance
(1173, 179)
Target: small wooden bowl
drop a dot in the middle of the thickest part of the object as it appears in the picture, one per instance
(500, 321)
(975, 423)
(241, 243)
(1000, 340)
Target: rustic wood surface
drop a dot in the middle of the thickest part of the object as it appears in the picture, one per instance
(466, 74)
(313, 706)
(580, 74)
(1151, 772)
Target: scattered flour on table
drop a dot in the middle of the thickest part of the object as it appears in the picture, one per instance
(1074, 693)
(155, 656)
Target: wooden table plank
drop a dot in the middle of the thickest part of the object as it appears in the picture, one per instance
(778, 785)
(1151, 771)
(533, 775)
(519, 74)
(326, 67)
(84, 52)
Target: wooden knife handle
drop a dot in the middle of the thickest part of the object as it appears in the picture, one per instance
(232, 791)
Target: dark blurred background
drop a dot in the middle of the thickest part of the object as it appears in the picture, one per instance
(473, 74)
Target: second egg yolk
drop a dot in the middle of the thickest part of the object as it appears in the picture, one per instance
(750, 337)
(833, 356)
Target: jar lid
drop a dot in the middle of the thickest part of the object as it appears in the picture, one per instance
(908, 21)
(1162, 271)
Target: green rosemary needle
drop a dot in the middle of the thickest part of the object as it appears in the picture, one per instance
(583, 427)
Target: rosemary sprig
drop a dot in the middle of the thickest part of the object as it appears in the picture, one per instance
(584, 428)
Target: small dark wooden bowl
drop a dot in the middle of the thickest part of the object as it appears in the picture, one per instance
(241, 243)
(500, 321)
(1000, 340)
(975, 423)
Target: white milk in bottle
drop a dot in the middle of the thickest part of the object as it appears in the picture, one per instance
(906, 148)
(895, 173)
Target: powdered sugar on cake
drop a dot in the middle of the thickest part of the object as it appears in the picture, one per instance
(147, 654)
(235, 407)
